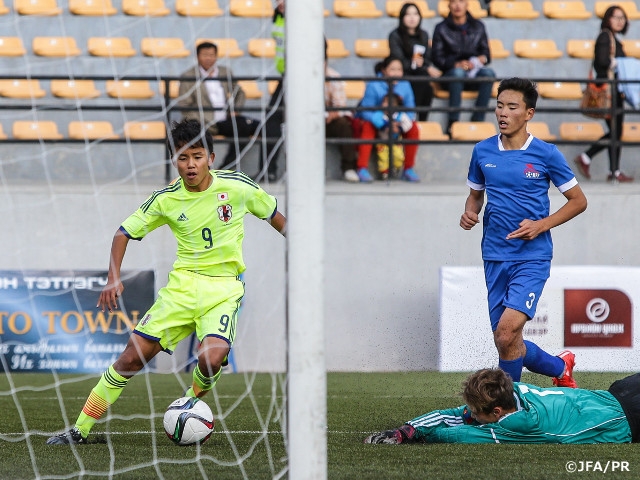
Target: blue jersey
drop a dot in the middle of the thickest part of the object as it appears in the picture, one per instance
(517, 188)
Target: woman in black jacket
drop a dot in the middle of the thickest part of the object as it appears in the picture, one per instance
(410, 44)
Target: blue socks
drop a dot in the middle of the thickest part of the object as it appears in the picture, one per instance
(512, 367)
(538, 361)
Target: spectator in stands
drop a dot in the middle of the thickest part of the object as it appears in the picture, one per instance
(460, 48)
(339, 122)
(374, 120)
(410, 44)
(216, 100)
(392, 129)
(614, 23)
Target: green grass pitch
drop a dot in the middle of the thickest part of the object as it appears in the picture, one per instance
(132, 443)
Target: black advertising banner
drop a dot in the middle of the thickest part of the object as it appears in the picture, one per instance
(49, 320)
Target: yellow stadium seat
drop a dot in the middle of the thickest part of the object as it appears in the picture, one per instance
(336, 48)
(164, 47)
(198, 8)
(74, 89)
(11, 47)
(372, 47)
(55, 47)
(514, 9)
(581, 48)
(497, 49)
(3, 136)
(145, 8)
(560, 90)
(262, 47)
(629, 7)
(92, 8)
(586, 131)
(565, 10)
(227, 47)
(3, 11)
(42, 130)
(631, 132)
(442, 94)
(540, 130)
(134, 89)
(354, 89)
(631, 48)
(271, 86)
(431, 131)
(474, 7)
(393, 8)
(538, 49)
(356, 9)
(251, 8)
(110, 47)
(37, 7)
(152, 130)
(21, 88)
(250, 89)
(88, 130)
(475, 131)
(174, 88)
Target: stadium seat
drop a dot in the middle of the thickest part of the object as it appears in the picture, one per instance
(251, 89)
(581, 48)
(92, 8)
(431, 131)
(513, 9)
(227, 47)
(443, 94)
(174, 88)
(475, 131)
(540, 130)
(271, 86)
(356, 9)
(497, 49)
(145, 8)
(372, 48)
(110, 47)
(11, 47)
(42, 130)
(74, 89)
(101, 130)
(152, 130)
(55, 47)
(3, 136)
(631, 48)
(560, 90)
(336, 48)
(262, 47)
(565, 10)
(631, 132)
(251, 8)
(474, 8)
(354, 89)
(198, 8)
(587, 131)
(393, 8)
(3, 11)
(538, 49)
(21, 88)
(37, 7)
(164, 47)
(629, 7)
(134, 89)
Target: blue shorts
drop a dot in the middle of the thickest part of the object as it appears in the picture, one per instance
(516, 285)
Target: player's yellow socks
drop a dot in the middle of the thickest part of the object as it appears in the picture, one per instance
(201, 383)
(103, 395)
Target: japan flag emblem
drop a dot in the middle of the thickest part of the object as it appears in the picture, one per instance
(223, 196)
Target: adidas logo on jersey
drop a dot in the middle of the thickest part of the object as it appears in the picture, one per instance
(182, 218)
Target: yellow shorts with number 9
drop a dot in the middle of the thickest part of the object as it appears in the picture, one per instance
(193, 303)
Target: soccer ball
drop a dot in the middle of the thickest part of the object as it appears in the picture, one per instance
(188, 421)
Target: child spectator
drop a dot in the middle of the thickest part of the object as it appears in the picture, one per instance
(392, 129)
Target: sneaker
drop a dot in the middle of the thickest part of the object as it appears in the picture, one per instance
(410, 175)
(65, 438)
(567, 379)
(364, 176)
(583, 162)
(384, 175)
(619, 177)
(392, 437)
(351, 176)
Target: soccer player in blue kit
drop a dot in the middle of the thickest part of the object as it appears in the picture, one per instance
(515, 169)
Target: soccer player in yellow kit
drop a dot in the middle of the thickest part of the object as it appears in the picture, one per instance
(204, 209)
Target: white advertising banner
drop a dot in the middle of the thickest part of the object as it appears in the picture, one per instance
(589, 310)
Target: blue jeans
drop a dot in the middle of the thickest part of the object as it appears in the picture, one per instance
(456, 88)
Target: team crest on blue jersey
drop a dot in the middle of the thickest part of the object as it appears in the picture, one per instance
(224, 212)
(531, 172)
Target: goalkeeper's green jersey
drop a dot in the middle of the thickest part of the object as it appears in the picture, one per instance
(208, 225)
(543, 415)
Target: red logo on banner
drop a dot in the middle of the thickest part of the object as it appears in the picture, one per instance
(597, 318)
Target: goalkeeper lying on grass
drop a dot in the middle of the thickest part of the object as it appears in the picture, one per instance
(498, 410)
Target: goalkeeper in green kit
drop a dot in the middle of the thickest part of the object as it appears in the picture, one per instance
(498, 410)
